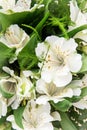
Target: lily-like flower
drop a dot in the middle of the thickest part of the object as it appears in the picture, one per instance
(60, 60)
(82, 104)
(76, 15)
(23, 88)
(3, 106)
(9, 7)
(15, 37)
(79, 18)
(50, 92)
(36, 117)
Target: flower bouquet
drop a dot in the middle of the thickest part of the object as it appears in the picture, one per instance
(43, 64)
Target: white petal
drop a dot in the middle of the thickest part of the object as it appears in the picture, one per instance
(61, 81)
(47, 76)
(42, 99)
(41, 50)
(40, 86)
(74, 62)
(82, 104)
(47, 126)
(77, 92)
(56, 116)
(69, 46)
(55, 41)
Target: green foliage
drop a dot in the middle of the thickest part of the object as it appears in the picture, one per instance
(27, 17)
(5, 54)
(66, 123)
(56, 5)
(62, 106)
(18, 116)
(78, 117)
(84, 63)
(27, 58)
(82, 4)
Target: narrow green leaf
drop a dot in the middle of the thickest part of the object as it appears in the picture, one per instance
(62, 106)
(76, 30)
(18, 116)
(66, 123)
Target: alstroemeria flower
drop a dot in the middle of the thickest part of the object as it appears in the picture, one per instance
(7, 5)
(61, 59)
(76, 15)
(36, 117)
(79, 18)
(11, 6)
(3, 106)
(15, 37)
(50, 92)
(23, 88)
(82, 104)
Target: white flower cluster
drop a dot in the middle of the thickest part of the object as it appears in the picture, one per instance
(9, 6)
(59, 62)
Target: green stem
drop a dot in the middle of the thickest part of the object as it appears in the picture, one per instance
(66, 123)
(63, 29)
(40, 25)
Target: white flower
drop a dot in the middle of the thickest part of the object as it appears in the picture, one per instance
(76, 15)
(15, 37)
(7, 5)
(50, 92)
(79, 19)
(3, 106)
(11, 6)
(61, 59)
(82, 104)
(23, 88)
(22, 5)
(36, 117)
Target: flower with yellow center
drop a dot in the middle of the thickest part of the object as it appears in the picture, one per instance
(60, 60)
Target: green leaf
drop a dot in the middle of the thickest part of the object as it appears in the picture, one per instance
(62, 106)
(84, 63)
(27, 58)
(5, 54)
(76, 30)
(26, 17)
(60, 5)
(83, 92)
(66, 123)
(2, 120)
(18, 116)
